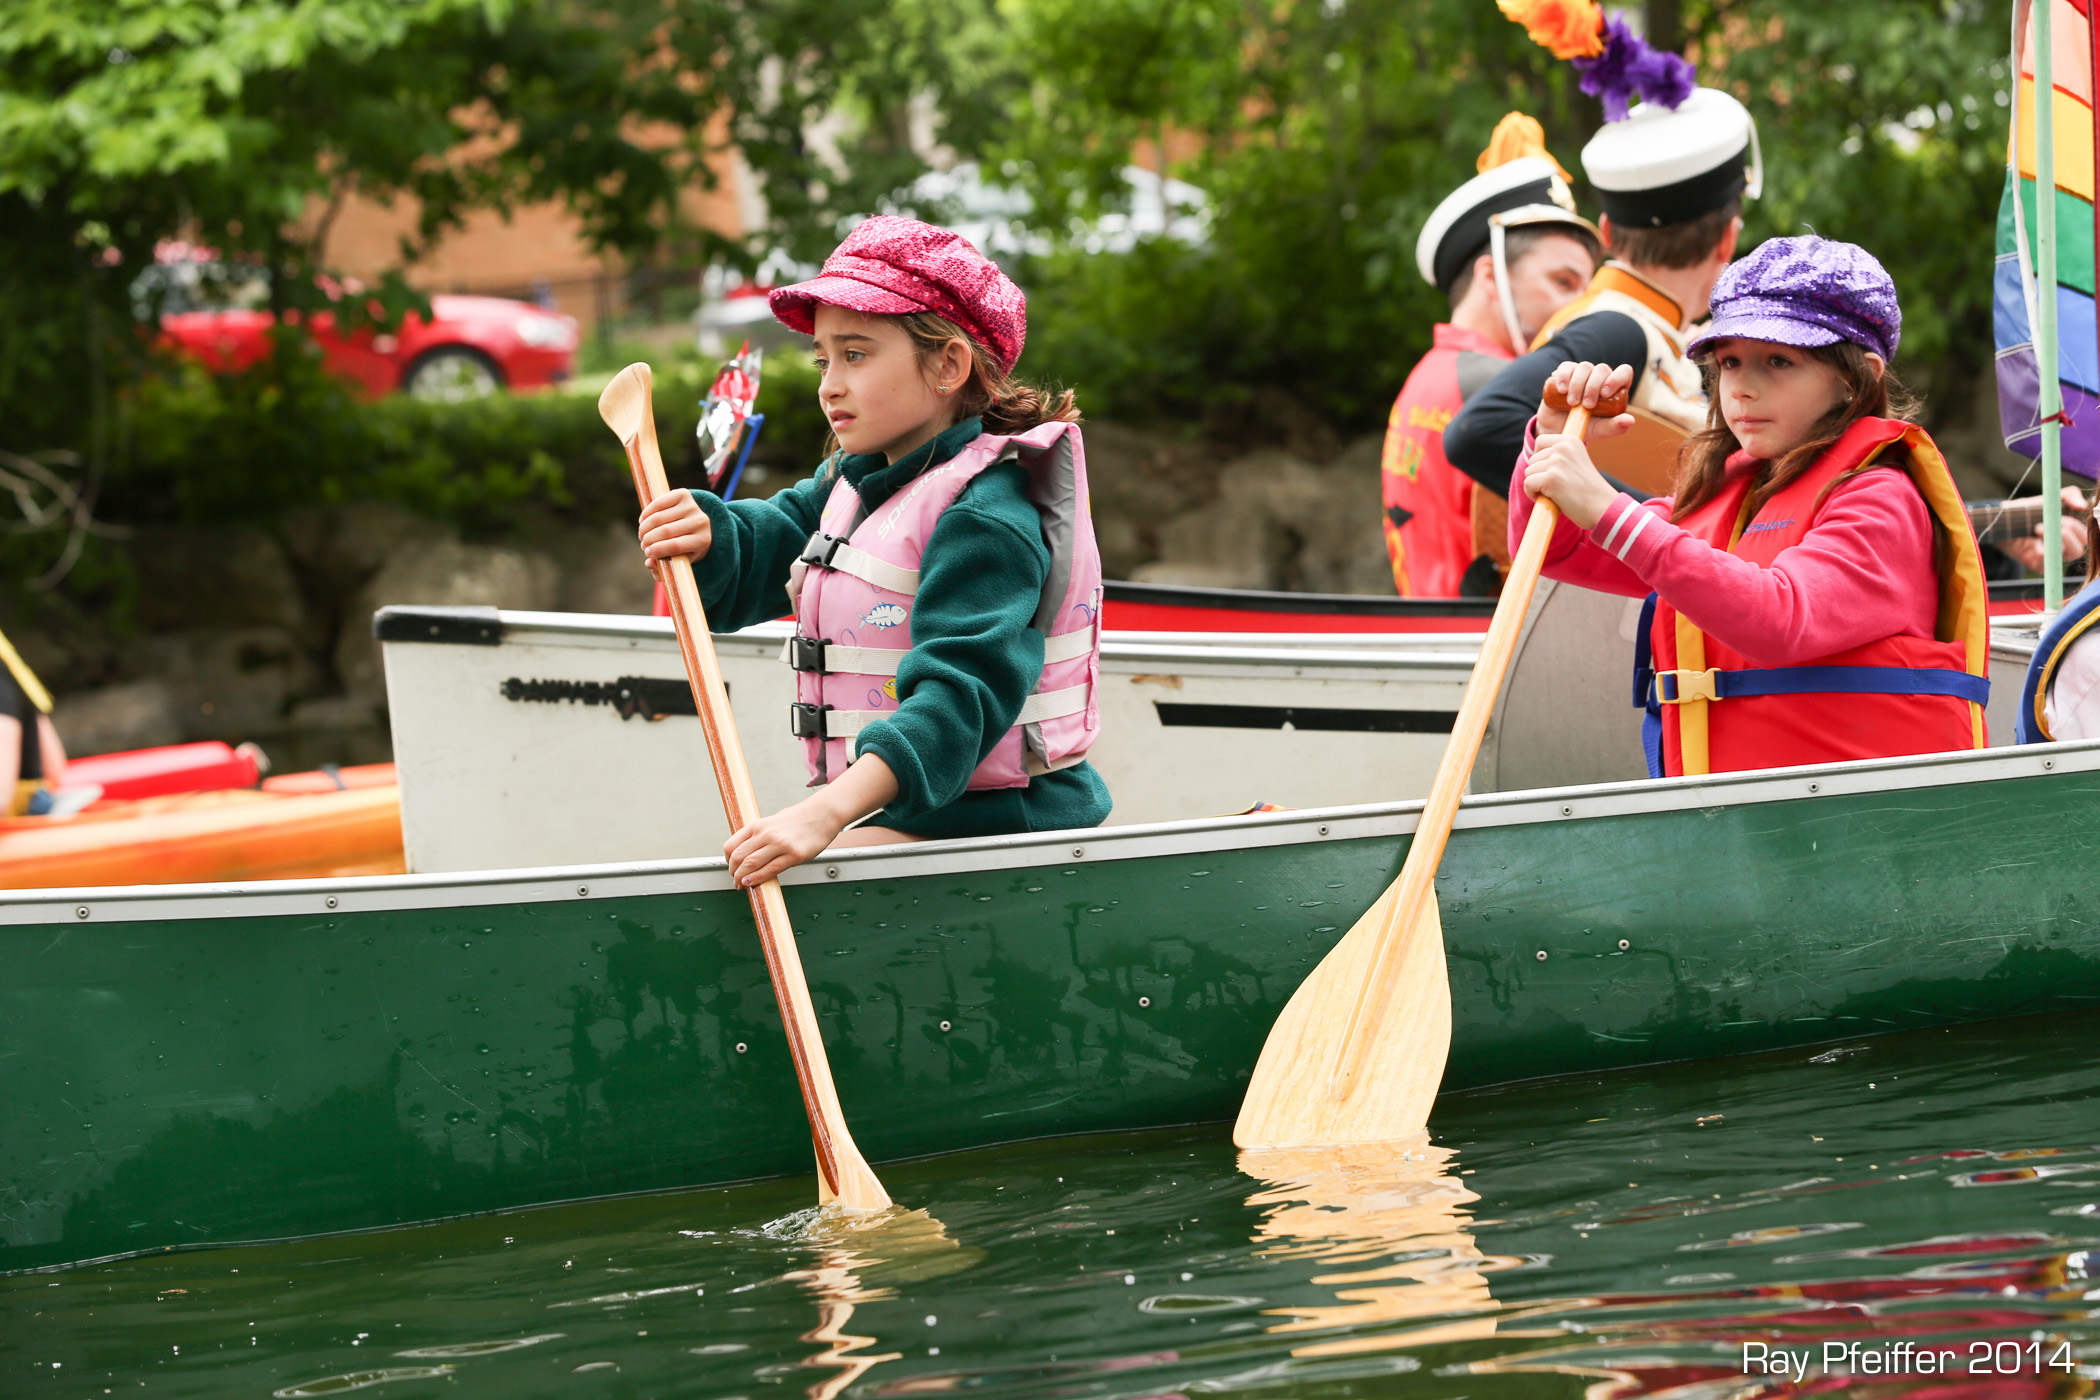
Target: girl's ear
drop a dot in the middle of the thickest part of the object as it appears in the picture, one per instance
(1879, 365)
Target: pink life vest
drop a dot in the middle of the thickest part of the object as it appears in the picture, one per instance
(853, 590)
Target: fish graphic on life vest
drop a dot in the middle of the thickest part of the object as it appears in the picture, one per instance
(884, 615)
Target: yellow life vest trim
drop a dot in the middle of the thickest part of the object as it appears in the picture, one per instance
(24, 677)
(1964, 598)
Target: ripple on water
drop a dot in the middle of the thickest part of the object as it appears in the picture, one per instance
(1510, 1256)
(359, 1380)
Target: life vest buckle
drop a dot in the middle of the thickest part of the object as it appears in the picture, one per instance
(1676, 687)
(821, 549)
(807, 721)
(806, 653)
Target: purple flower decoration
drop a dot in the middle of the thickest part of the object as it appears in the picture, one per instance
(1628, 67)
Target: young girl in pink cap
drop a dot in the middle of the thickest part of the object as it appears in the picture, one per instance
(941, 564)
(1815, 592)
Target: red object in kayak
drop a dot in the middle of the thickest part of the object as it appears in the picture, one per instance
(138, 773)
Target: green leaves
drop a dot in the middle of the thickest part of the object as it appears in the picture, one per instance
(1324, 132)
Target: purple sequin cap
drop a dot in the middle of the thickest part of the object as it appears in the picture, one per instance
(1806, 292)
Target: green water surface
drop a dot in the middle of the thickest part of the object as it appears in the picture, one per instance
(1633, 1231)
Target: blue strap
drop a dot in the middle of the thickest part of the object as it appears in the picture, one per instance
(1839, 680)
(751, 427)
(1644, 691)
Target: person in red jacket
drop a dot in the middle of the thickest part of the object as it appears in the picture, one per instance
(1815, 590)
(1509, 250)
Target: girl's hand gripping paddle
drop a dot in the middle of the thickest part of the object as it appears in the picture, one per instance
(1359, 1050)
(842, 1173)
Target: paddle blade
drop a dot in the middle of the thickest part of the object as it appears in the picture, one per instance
(624, 403)
(858, 1187)
(1293, 1101)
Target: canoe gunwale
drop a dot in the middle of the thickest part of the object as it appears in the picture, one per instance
(1382, 821)
(1372, 652)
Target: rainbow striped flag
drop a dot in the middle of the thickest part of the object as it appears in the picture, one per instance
(2016, 291)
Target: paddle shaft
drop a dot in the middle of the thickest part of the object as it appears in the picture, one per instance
(827, 1121)
(1417, 881)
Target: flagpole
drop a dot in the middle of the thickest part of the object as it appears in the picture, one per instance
(2046, 346)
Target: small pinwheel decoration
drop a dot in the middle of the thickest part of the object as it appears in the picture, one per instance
(728, 423)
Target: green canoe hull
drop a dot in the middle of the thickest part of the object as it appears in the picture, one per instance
(194, 1066)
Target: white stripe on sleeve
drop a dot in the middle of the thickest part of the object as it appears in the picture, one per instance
(1617, 525)
(1635, 533)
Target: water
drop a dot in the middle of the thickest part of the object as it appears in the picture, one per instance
(1628, 1232)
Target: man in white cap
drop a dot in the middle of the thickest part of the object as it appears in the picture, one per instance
(1671, 183)
(1509, 251)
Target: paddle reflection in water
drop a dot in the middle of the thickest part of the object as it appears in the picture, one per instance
(1362, 1203)
(898, 1244)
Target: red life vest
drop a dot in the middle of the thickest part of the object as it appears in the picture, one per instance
(1429, 502)
(1722, 713)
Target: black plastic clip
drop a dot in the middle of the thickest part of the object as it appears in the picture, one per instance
(821, 548)
(807, 721)
(807, 653)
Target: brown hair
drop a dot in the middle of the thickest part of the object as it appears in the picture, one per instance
(1703, 460)
(1519, 242)
(1004, 403)
(2092, 534)
(1674, 245)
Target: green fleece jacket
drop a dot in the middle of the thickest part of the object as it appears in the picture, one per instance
(974, 657)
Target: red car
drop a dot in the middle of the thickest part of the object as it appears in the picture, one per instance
(216, 313)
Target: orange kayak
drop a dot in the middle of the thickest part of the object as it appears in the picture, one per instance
(298, 826)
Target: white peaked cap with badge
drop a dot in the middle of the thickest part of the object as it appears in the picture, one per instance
(1527, 190)
(1660, 166)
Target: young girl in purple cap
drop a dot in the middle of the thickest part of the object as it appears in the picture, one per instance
(1815, 592)
(941, 564)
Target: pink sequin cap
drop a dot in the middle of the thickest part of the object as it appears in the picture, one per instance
(891, 266)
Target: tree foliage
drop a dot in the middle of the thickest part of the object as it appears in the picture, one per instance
(243, 123)
(1324, 133)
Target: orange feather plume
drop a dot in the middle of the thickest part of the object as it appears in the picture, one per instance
(1516, 136)
(1564, 28)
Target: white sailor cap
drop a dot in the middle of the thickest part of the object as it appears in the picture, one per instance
(1528, 190)
(1662, 167)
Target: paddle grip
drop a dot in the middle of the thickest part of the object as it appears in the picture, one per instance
(1579, 416)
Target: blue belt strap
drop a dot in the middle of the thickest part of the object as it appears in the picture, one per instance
(1649, 688)
(1838, 680)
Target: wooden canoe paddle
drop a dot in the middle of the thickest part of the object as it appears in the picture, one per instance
(842, 1173)
(1359, 1050)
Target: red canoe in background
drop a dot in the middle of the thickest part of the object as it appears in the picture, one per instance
(1161, 607)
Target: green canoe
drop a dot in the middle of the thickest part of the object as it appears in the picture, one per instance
(193, 1065)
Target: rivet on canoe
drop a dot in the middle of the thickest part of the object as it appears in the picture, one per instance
(1624, 945)
(583, 890)
(1323, 831)
(1542, 955)
(945, 1026)
(831, 872)
(331, 901)
(2047, 764)
(741, 1047)
(1815, 787)
(1078, 852)
(1144, 1001)
(81, 912)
